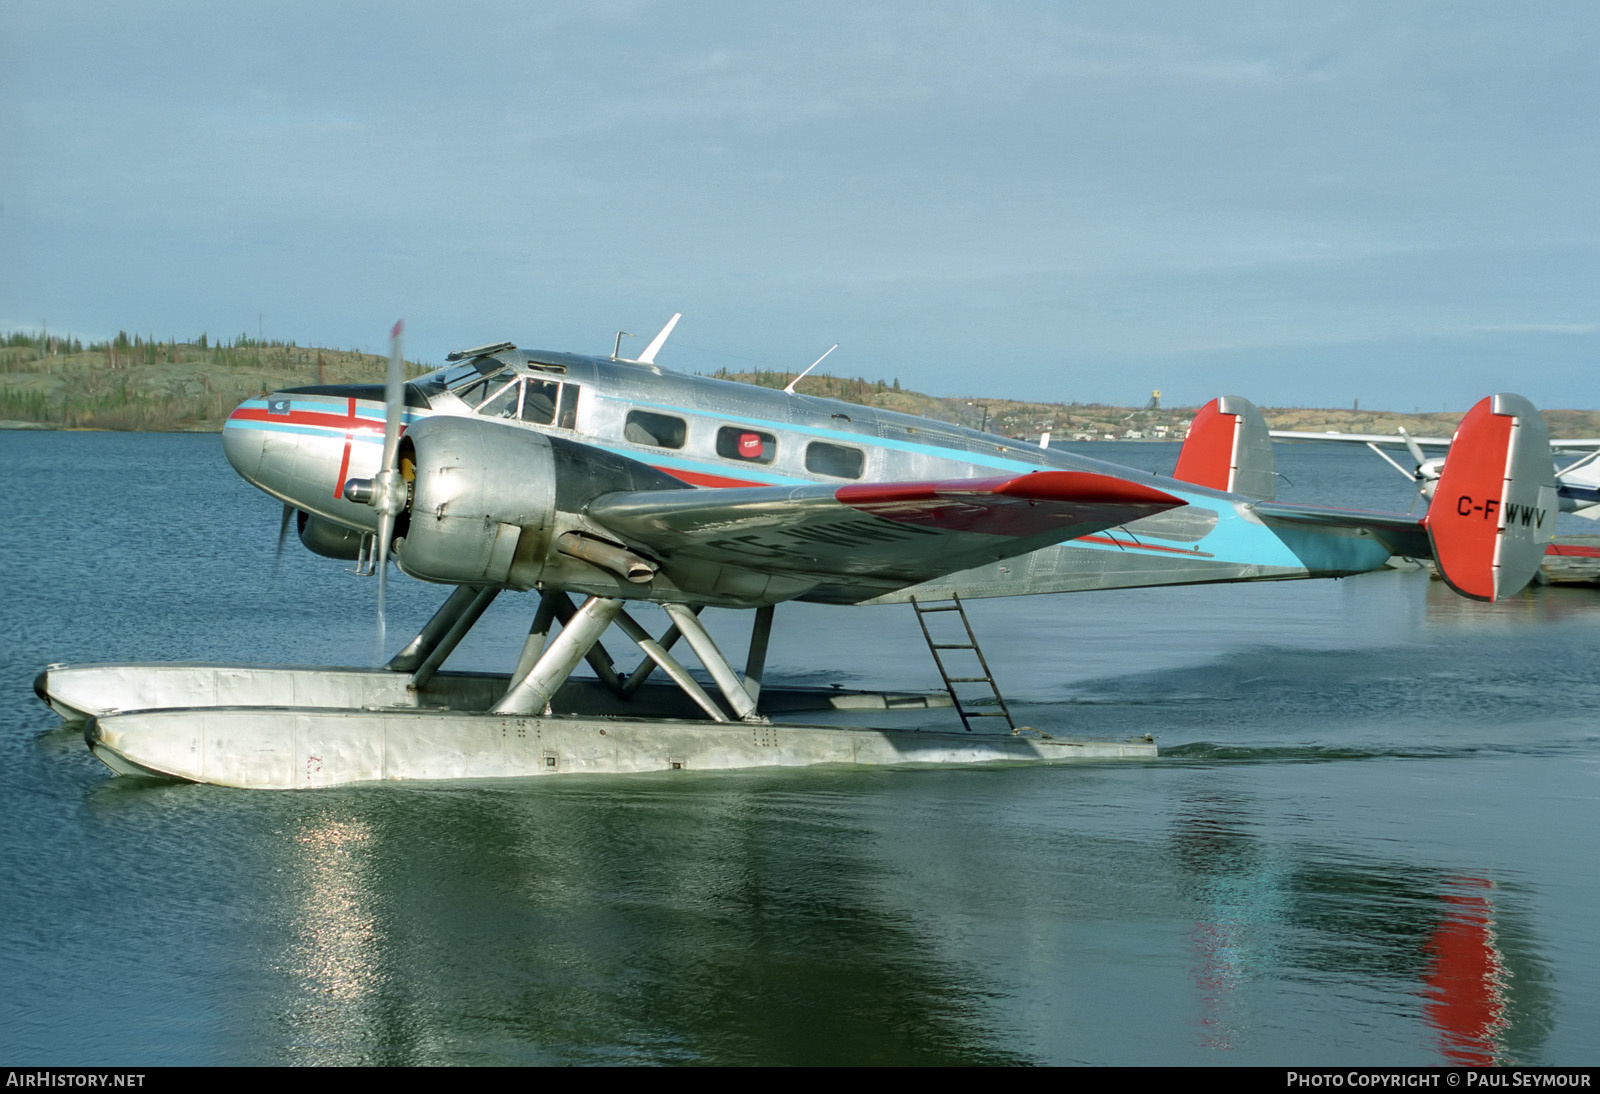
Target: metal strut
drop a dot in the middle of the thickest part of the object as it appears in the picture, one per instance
(733, 690)
(950, 682)
(530, 692)
(668, 639)
(542, 668)
(440, 631)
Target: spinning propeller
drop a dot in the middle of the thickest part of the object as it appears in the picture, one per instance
(386, 491)
(283, 533)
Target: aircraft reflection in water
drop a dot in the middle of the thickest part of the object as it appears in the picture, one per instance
(817, 950)
(372, 971)
(1435, 933)
(624, 482)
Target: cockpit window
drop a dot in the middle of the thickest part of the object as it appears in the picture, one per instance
(512, 396)
(475, 389)
(567, 413)
(750, 445)
(496, 396)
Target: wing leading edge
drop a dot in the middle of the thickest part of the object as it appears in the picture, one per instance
(864, 539)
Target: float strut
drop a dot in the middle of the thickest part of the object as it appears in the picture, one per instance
(598, 658)
(538, 632)
(658, 655)
(755, 664)
(668, 639)
(452, 638)
(416, 651)
(744, 707)
(531, 692)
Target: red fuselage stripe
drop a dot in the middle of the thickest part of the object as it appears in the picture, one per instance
(1139, 545)
(345, 421)
(344, 461)
(696, 478)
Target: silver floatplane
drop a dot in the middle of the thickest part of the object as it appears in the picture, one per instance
(598, 482)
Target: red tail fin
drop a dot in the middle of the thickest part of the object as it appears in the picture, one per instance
(1495, 505)
(1228, 448)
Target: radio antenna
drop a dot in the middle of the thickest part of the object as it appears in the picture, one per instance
(790, 389)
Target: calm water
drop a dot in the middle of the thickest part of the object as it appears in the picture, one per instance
(1370, 839)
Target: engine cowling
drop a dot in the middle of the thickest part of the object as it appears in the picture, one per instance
(482, 497)
(325, 538)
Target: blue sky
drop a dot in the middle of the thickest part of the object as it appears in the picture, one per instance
(1305, 204)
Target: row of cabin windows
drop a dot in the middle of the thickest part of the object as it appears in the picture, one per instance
(737, 443)
(548, 402)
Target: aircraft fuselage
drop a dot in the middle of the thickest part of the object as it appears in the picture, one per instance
(304, 445)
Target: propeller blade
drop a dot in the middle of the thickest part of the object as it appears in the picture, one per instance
(1413, 447)
(283, 533)
(394, 396)
(390, 491)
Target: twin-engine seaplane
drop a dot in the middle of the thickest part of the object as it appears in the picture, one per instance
(618, 481)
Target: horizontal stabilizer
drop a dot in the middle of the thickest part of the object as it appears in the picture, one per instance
(1400, 535)
(1495, 507)
(1228, 448)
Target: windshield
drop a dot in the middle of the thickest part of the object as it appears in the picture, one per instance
(458, 378)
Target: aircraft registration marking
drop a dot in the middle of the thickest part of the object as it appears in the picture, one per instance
(1516, 514)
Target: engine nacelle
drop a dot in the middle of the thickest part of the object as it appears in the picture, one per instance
(324, 537)
(483, 497)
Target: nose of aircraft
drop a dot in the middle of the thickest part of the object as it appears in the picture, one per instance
(301, 446)
(242, 442)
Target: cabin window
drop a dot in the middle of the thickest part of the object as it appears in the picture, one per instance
(837, 460)
(659, 430)
(751, 445)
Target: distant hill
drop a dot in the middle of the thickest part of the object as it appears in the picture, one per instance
(1027, 420)
(135, 383)
(140, 383)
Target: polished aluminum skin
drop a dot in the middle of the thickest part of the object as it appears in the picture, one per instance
(639, 428)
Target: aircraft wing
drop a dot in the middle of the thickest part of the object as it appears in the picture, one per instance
(871, 536)
(1558, 446)
(1383, 440)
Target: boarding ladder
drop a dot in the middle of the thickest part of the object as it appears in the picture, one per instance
(941, 649)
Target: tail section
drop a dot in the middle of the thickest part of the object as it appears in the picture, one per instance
(1228, 448)
(1495, 506)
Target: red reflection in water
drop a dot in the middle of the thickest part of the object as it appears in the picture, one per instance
(1466, 978)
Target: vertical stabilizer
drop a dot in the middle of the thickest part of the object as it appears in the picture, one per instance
(1228, 448)
(1495, 506)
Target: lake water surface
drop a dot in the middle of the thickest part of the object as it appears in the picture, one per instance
(1370, 838)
